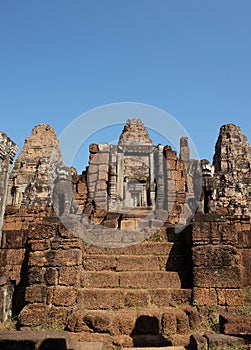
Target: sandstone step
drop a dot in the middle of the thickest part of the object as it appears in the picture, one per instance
(135, 322)
(235, 324)
(134, 279)
(119, 298)
(79, 345)
(17, 340)
(159, 348)
(173, 262)
(144, 248)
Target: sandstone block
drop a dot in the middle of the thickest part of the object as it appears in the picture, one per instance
(99, 321)
(39, 244)
(69, 276)
(230, 297)
(58, 315)
(220, 277)
(55, 258)
(205, 296)
(100, 262)
(76, 322)
(64, 296)
(63, 231)
(168, 322)
(235, 324)
(246, 261)
(33, 315)
(160, 297)
(11, 256)
(124, 341)
(244, 239)
(201, 233)
(103, 279)
(123, 322)
(182, 322)
(136, 298)
(100, 158)
(93, 148)
(198, 342)
(35, 294)
(100, 298)
(14, 239)
(159, 279)
(42, 231)
(215, 256)
(51, 276)
(220, 340)
(73, 243)
(181, 296)
(193, 317)
(138, 263)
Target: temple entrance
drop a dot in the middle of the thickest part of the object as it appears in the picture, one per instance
(135, 193)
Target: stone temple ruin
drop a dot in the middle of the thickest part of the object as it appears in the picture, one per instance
(135, 251)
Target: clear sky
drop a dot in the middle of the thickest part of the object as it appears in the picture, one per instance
(61, 58)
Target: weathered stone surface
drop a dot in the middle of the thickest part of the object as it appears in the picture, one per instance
(35, 339)
(29, 180)
(95, 279)
(8, 151)
(232, 171)
(149, 280)
(217, 340)
(198, 342)
(235, 324)
(143, 191)
(221, 277)
(69, 276)
(33, 315)
(136, 298)
(6, 295)
(14, 239)
(64, 296)
(134, 132)
(55, 258)
(36, 294)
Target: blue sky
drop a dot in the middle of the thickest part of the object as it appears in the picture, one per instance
(190, 58)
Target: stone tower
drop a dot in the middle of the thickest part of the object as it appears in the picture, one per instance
(29, 179)
(232, 162)
(8, 151)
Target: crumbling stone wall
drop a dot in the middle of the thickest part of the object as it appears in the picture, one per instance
(29, 183)
(232, 162)
(217, 265)
(8, 151)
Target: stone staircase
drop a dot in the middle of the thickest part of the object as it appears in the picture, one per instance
(136, 294)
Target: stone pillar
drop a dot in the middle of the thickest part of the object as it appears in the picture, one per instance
(6, 293)
(184, 149)
(160, 178)
(8, 151)
(113, 195)
(120, 179)
(152, 185)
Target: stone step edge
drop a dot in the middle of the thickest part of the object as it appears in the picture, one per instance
(159, 348)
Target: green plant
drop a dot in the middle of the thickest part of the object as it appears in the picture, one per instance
(195, 303)
(168, 337)
(172, 304)
(213, 322)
